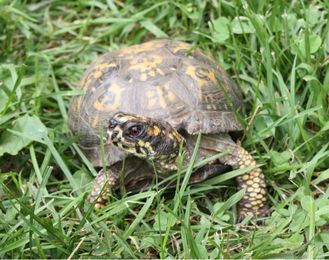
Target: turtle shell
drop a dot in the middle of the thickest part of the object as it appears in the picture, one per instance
(162, 79)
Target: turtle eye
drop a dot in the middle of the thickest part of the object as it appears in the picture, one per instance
(134, 131)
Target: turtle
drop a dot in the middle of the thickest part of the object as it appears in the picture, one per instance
(151, 101)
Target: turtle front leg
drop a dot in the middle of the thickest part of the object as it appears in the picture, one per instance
(102, 187)
(253, 182)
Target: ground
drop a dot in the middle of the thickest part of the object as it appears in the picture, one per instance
(276, 52)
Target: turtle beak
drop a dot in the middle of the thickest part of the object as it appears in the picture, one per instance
(112, 136)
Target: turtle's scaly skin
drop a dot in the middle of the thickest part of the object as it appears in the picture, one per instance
(177, 86)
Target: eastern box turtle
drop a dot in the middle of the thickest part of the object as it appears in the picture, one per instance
(151, 99)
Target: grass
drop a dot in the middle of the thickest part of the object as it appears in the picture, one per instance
(276, 51)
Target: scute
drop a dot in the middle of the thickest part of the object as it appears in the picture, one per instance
(162, 79)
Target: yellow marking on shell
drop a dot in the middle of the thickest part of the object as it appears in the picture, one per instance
(144, 47)
(171, 95)
(100, 105)
(151, 99)
(105, 65)
(149, 93)
(182, 46)
(115, 91)
(191, 71)
(212, 76)
(160, 71)
(147, 66)
(78, 103)
(98, 74)
(151, 103)
(95, 121)
(162, 100)
(143, 77)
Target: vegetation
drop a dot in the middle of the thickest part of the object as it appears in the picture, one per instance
(276, 51)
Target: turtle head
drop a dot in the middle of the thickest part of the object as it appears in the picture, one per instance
(144, 137)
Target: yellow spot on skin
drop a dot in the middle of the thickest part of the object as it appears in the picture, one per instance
(247, 205)
(256, 173)
(250, 182)
(257, 190)
(245, 177)
(141, 143)
(253, 194)
(157, 131)
(256, 179)
(153, 131)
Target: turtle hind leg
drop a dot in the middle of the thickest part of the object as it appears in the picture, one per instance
(102, 187)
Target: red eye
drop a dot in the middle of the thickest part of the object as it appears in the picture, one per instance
(135, 131)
